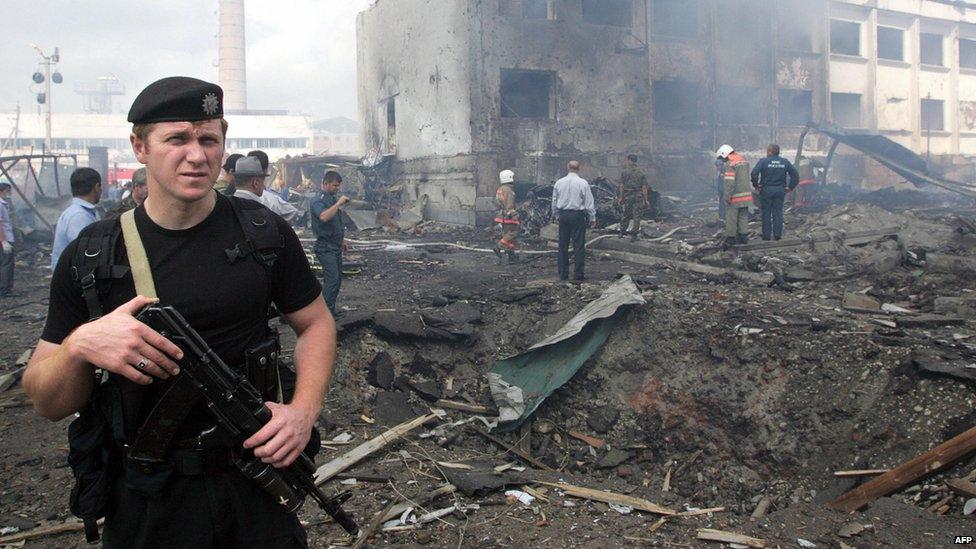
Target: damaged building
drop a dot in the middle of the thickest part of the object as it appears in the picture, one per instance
(456, 90)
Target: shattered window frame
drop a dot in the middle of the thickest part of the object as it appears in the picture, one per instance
(674, 20)
(933, 112)
(967, 53)
(842, 107)
(507, 106)
(890, 46)
(609, 13)
(677, 101)
(840, 36)
(927, 46)
(794, 116)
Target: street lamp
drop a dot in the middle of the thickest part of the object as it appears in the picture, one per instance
(47, 78)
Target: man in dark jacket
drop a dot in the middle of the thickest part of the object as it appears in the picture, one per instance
(773, 177)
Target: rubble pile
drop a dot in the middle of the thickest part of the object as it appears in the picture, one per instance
(753, 387)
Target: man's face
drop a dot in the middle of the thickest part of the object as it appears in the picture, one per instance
(331, 188)
(96, 195)
(183, 159)
(139, 193)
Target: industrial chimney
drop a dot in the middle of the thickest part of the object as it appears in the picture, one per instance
(232, 55)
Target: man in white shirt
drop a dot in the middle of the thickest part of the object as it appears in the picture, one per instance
(250, 177)
(573, 206)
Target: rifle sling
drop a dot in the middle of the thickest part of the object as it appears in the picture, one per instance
(138, 260)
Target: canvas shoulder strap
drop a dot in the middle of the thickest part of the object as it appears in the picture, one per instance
(138, 260)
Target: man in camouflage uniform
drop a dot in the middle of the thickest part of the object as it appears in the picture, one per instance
(634, 197)
(507, 216)
(139, 193)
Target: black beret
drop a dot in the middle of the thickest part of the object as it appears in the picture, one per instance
(177, 99)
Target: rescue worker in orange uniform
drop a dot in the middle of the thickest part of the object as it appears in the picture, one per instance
(507, 216)
(806, 191)
(737, 195)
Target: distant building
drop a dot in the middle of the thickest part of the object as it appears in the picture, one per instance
(337, 137)
(279, 135)
(459, 90)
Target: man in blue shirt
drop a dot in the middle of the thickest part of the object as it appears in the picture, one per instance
(329, 233)
(86, 188)
(773, 176)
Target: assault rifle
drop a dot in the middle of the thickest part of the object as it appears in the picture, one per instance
(240, 411)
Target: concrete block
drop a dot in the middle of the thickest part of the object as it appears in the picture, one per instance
(861, 302)
(964, 307)
(942, 263)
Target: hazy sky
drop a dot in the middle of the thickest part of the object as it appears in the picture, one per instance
(301, 54)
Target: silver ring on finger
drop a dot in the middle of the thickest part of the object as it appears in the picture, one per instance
(142, 365)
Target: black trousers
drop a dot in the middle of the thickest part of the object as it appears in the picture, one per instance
(218, 510)
(572, 227)
(6, 273)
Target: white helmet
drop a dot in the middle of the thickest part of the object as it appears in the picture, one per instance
(724, 151)
(506, 176)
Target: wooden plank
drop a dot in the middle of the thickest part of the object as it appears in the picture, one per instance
(860, 473)
(418, 501)
(592, 441)
(907, 473)
(371, 446)
(465, 407)
(611, 497)
(374, 525)
(962, 487)
(513, 450)
(708, 534)
(46, 531)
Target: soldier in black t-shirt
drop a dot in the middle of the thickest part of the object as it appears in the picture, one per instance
(187, 230)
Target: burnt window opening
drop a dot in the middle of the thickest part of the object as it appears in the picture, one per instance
(539, 9)
(527, 94)
(845, 37)
(391, 137)
(675, 19)
(891, 43)
(931, 49)
(792, 25)
(614, 13)
(676, 101)
(967, 54)
(845, 109)
(795, 107)
(740, 105)
(933, 115)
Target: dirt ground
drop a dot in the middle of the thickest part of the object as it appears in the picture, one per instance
(718, 393)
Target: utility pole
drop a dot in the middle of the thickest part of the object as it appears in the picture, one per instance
(47, 78)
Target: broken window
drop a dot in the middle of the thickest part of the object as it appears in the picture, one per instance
(931, 49)
(933, 115)
(740, 105)
(538, 9)
(967, 54)
(845, 37)
(527, 94)
(846, 109)
(795, 107)
(675, 18)
(616, 13)
(794, 31)
(891, 43)
(676, 101)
